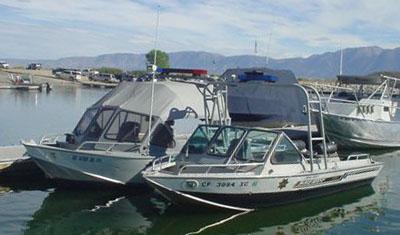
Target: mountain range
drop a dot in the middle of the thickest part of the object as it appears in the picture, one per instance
(356, 61)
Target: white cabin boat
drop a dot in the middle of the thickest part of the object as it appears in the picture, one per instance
(364, 122)
(113, 142)
(242, 168)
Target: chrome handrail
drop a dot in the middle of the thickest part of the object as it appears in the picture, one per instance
(111, 145)
(50, 139)
(158, 162)
(210, 166)
(358, 156)
(360, 103)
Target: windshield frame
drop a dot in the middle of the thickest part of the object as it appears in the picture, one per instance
(155, 122)
(267, 153)
(217, 133)
(97, 110)
(185, 147)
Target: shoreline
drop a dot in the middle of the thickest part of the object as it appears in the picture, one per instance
(39, 76)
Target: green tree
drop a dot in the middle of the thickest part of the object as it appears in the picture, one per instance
(110, 70)
(162, 58)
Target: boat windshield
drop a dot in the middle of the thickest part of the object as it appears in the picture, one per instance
(198, 142)
(128, 127)
(225, 141)
(85, 121)
(255, 146)
(92, 124)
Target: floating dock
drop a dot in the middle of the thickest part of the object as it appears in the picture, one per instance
(21, 87)
(14, 164)
(98, 84)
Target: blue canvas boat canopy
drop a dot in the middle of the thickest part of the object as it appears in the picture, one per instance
(259, 74)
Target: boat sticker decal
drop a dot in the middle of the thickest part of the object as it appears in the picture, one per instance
(283, 183)
(86, 159)
(318, 181)
(360, 172)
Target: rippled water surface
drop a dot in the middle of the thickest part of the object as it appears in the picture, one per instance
(36, 207)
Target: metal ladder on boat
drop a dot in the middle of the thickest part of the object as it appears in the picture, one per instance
(314, 107)
(215, 97)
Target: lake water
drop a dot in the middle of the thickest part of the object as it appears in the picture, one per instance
(36, 207)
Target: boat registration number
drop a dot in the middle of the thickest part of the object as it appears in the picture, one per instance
(228, 184)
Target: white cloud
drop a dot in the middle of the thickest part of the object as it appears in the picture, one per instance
(299, 28)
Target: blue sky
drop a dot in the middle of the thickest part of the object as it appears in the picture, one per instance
(59, 28)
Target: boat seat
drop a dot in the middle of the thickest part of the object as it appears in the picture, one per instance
(232, 146)
(244, 153)
(129, 132)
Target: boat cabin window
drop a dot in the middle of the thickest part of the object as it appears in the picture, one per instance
(85, 121)
(97, 127)
(128, 127)
(255, 145)
(285, 153)
(198, 142)
(226, 141)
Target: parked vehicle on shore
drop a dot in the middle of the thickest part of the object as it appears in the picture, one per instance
(71, 75)
(104, 77)
(89, 72)
(34, 66)
(4, 65)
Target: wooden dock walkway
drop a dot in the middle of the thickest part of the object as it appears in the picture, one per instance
(15, 165)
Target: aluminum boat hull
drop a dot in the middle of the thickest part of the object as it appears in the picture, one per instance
(350, 132)
(88, 166)
(247, 193)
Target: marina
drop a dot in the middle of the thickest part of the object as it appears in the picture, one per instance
(187, 141)
(142, 206)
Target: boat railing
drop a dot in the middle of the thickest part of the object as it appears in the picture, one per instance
(108, 146)
(51, 138)
(158, 163)
(208, 167)
(358, 156)
(363, 107)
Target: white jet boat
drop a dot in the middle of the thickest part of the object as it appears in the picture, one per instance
(242, 168)
(364, 121)
(113, 142)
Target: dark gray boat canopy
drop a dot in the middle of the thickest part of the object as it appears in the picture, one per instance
(284, 76)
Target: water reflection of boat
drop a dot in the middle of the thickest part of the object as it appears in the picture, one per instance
(98, 212)
(309, 217)
(116, 138)
(91, 212)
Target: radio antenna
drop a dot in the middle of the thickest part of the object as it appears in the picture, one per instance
(154, 68)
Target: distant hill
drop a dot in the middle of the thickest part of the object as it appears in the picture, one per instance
(356, 61)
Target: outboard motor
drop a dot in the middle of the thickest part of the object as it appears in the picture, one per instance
(302, 146)
(70, 138)
(331, 148)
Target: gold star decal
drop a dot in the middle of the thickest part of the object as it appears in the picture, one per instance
(283, 183)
